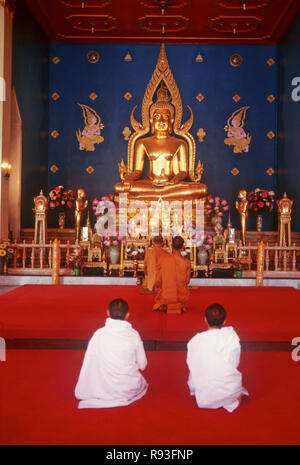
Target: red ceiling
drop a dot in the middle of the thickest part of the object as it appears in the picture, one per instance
(185, 21)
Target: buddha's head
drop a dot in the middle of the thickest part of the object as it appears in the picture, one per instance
(81, 193)
(162, 112)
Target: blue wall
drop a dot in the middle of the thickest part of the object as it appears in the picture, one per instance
(30, 76)
(74, 78)
(288, 121)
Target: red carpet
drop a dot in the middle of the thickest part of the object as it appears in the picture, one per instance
(38, 405)
(74, 312)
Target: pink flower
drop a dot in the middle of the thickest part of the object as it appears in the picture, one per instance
(224, 202)
(226, 208)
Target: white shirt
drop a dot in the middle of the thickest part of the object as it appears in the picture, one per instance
(213, 358)
(110, 375)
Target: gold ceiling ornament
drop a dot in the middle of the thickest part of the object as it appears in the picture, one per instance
(270, 171)
(54, 134)
(126, 133)
(270, 135)
(201, 134)
(93, 56)
(163, 75)
(90, 169)
(55, 60)
(55, 96)
(234, 171)
(270, 62)
(200, 97)
(271, 98)
(93, 96)
(236, 98)
(127, 96)
(236, 60)
(128, 57)
(54, 168)
(199, 58)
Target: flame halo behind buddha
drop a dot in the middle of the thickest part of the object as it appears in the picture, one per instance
(171, 157)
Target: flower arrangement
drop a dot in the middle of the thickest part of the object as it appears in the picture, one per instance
(7, 250)
(203, 241)
(215, 206)
(135, 253)
(261, 201)
(97, 205)
(60, 198)
(114, 241)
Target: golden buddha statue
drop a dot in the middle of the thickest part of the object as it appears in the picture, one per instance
(242, 207)
(81, 204)
(171, 156)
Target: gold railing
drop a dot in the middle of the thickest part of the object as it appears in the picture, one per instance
(277, 259)
(34, 258)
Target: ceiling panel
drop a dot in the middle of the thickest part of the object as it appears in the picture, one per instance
(185, 21)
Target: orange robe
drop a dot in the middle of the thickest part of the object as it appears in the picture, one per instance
(173, 276)
(150, 266)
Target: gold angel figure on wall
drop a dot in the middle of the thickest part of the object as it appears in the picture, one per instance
(91, 133)
(236, 135)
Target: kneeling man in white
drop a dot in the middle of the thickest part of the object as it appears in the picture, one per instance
(213, 358)
(110, 374)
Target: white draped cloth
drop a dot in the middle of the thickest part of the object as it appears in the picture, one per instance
(213, 358)
(110, 374)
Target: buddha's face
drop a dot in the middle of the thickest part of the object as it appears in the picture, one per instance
(162, 121)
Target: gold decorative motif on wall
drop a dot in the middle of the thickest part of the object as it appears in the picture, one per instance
(271, 98)
(200, 97)
(128, 96)
(270, 135)
(56, 60)
(55, 96)
(93, 56)
(236, 136)
(236, 60)
(90, 169)
(91, 133)
(53, 168)
(201, 134)
(270, 171)
(128, 57)
(93, 96)
(234, 171)
(199, 58)
(126, 133)
(271, 62)
(54, 134)
(236, 98)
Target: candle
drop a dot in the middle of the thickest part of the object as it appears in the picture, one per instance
(195, 256)
(121, 260)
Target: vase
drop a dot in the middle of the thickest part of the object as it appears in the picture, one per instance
(259, 222)
(114, 255)
(61, 220)
(202, 256)
(76, 271)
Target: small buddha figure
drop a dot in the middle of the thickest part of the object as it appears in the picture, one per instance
(81, 204)
(168, 157)
(242, 208)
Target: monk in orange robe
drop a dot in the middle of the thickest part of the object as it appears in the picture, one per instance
(150, 265)
(173, 276)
